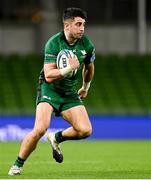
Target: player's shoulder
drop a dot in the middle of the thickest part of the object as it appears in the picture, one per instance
(53, 43)
(54, 39)
(88, 44)
(87, 40)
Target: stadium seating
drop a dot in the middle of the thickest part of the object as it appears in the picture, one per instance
(19, 77)
(121, 84)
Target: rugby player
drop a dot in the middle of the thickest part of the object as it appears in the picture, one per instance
(57, 91)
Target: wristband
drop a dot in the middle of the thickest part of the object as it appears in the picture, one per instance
(66, 70)
(86, 85)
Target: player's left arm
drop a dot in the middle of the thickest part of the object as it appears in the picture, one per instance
(88, 69)
(87, 75)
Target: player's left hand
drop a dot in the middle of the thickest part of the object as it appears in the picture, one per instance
(82, 93)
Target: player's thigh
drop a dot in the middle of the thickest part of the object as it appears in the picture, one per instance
(43, 115)
(78, 117)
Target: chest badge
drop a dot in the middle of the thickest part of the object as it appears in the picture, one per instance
(83, 52)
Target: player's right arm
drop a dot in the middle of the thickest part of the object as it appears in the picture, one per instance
(52, 73)
(50, 69)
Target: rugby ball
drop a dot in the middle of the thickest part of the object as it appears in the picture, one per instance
(63, 60)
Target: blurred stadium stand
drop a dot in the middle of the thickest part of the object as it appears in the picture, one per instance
(121, 84)
(19, 75)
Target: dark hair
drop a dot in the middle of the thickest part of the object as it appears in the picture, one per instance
(71, 13)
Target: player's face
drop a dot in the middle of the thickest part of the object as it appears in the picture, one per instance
(76, 27)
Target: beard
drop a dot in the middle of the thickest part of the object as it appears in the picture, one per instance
(77, 36)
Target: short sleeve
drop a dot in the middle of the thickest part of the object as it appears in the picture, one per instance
(90, 50)
(50, 52)
(90, 56)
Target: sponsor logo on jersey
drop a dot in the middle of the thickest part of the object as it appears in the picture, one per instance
(50, 55)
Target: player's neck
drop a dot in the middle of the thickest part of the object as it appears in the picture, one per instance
(69, 39)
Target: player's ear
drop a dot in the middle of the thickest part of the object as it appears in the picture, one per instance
(66, 25)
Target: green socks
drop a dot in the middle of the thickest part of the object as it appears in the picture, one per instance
(19, 162)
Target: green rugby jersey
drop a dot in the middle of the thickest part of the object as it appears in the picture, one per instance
(83, 49)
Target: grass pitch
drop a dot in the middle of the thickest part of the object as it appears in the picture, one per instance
(82, 160)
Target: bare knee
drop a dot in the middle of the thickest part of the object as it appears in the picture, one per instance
(37, 133)
(84, 131)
